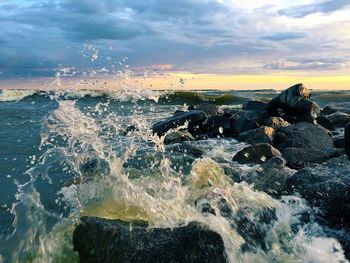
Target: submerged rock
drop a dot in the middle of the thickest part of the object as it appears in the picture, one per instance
(257, 153)
(194, 117)
(186, 148)
(260, 135)
(347, 140)
(326, 186)
(102, 240)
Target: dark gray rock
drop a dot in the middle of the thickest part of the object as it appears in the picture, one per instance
(257, 153)
(298, 158)
(325, 122)
(256, 105)
(194, 117)
(186, 148)
(347, 140)
(102, 240)
(209, 109)
(260, 135)
(338, 141)
(338, 119)
(326, 186)
(276, 123)
(242, 124)
(334, 107)
(218, 126)
(307, 135)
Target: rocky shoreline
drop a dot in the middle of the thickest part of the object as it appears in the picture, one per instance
(301, 148)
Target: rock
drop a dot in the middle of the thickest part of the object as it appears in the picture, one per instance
(307, 135)
(209, 109)
(291, 97)
(102, 240)
(325, 122)
(338, 141)
(334, 107)
(256, 105)
(242, 124)
(260, 135)
(338, 119)
(258, 116)
(347, 140)
(186, 148)
(326, 186)
(271, 177)
(257, 153)
(295, 102)
(298, 158)
(178, 136)
(218, 126)
(276, 123)
(194, 117)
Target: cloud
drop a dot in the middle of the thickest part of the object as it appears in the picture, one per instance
(322, 7)
(282, 36)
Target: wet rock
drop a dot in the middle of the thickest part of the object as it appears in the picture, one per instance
(102, 240)
(338, 141)
(209, 109)
(295, 102)
(271, 177)
(276, 123)
(186, 148)
(257, 153)
(256, 106)
(194, 118)
(338, 119)
(334, 107)
(260, 135)
(347, 140)
(258, 116)
(307, 135)
(178, 136)
(325, 122)
(298, 158)
(218, 126)
(242, 124)
(326, 186)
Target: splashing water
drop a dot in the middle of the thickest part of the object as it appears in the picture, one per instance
(88, 165)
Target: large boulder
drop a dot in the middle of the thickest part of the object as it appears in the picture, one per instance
(257, 153)
(218, 126)
(260, 135)
(326, 186)
(193, 117)
(256, 105)
(276, 123)
(242, 124)
(102, 240)
(347, 140)
(338, 119)
(295, 102)
(209, 109)
(307, 135)
(298, 158)
(334, 107)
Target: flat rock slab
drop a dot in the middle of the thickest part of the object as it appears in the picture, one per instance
(103, 240)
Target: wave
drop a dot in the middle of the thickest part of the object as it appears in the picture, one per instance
(191, 97)
(15, 95)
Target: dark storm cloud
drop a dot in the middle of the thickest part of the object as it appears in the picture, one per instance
(322, 7)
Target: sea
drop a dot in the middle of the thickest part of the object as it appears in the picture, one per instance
(67, 154)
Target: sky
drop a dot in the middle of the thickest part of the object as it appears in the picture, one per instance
(191, 43)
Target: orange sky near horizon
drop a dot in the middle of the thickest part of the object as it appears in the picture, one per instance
(183, 81)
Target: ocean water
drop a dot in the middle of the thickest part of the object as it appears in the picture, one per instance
(67, 154)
